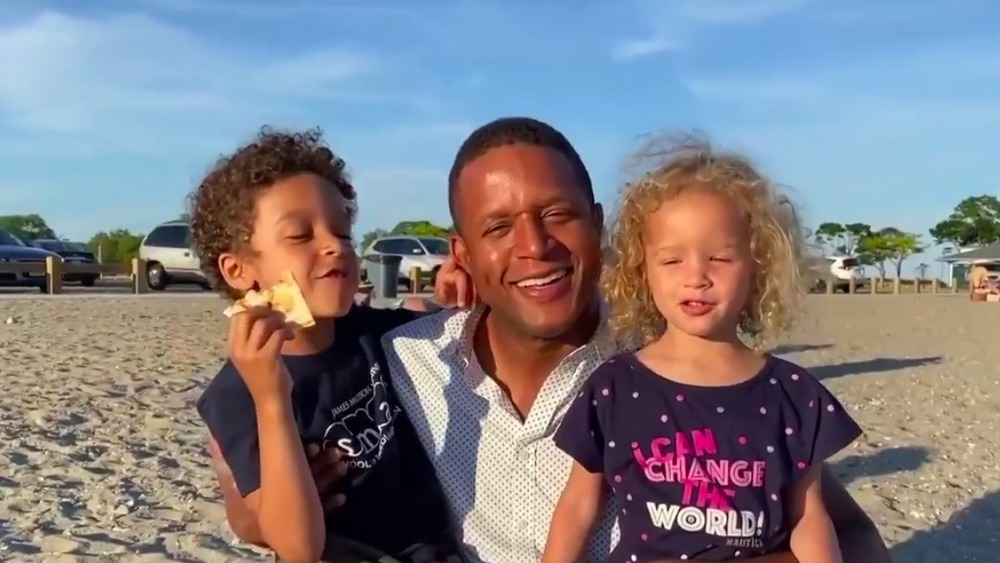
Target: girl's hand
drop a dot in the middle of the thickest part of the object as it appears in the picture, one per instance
(453, 286)
(255, 339)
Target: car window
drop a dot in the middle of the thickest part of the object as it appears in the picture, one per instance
(407, 246)
(436, 246)
(169, 236)
(7, 239)
(850, 263)
(382, 246)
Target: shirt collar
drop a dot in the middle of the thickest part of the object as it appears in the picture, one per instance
(602, 339)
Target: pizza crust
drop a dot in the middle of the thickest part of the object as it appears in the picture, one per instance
(285, 296)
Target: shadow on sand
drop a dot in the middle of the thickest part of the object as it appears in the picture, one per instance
(795, 348)
(972, 535)
(880, 463)
(875, 365)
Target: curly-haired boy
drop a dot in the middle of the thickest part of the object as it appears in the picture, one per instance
(284, 203)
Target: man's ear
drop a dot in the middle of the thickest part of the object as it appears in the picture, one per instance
(236, 272)
(459, 250)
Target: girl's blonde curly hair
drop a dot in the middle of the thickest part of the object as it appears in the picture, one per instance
(665, 167)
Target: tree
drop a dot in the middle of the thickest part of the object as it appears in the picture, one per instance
(922, 270)
(118, 245)
(371, 236)
(975, 221)
(420, 229)
(837, 238)
(27, 227)
(891, 245)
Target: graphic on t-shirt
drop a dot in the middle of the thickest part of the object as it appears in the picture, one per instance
(709, 483)
(362, 425)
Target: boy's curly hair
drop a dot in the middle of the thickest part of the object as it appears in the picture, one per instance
(222, 207)
(665, 167)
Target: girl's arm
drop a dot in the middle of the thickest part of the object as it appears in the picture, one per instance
(813, 536)
(241, 519)
(574, 516)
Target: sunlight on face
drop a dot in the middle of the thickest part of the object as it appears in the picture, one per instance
(302, 225)
(698, 263)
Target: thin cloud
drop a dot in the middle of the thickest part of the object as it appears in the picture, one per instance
(73, 75)
(673, 24)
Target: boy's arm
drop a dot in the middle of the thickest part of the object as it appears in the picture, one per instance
(242, 520)
(287, 504)
(813, 536)
(574, 516)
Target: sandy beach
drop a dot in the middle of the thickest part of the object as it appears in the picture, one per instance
(103, 459)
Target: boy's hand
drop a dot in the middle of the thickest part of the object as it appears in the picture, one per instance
(328, 468)
(255, 339)
(453, 286)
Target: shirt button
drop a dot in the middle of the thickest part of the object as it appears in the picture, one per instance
(525, 455)
(522, 525)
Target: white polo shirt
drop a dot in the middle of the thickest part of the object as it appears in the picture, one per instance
(502, 476)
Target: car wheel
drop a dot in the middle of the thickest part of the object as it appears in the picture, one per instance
(156, 277)
(88, 282)
(205, 286)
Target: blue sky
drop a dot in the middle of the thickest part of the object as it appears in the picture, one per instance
(111, 110)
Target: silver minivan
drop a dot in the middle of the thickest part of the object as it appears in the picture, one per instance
(169, 257)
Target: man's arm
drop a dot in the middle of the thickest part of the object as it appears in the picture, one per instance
(859, 539)
(857, 535)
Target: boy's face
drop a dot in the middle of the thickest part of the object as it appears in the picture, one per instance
(301, 225)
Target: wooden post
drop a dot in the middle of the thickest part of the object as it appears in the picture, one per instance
(829, 286)
(916, 285)
(852, 286)
(954, 285)
(140, 282)
(873, 290)
(53, 275)
(895, 285)
(415, 285)
(935, 283)
(100, 257)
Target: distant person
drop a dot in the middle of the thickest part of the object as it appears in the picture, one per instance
(486, 388)
(284, 203)
(713, 450)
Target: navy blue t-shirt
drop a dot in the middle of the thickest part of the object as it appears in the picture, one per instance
(703, 473)
(342, 398)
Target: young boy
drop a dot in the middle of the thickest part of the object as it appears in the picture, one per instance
(284, 203)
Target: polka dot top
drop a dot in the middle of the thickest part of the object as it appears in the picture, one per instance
(502, 476)
(702, 473)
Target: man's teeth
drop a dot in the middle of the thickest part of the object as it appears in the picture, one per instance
(538, 282)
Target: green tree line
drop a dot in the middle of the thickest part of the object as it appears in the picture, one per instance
(975, 221)
(121, 245)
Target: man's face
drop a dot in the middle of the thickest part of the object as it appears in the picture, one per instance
(529, 238)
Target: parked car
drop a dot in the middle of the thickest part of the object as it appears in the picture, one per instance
(13, 249)
(426, 253)
(169, 258)
(839, 271)
(71, 253)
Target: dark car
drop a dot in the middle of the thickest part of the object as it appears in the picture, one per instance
(13, 249)
(72, 253)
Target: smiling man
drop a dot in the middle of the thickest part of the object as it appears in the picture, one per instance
(487, 388)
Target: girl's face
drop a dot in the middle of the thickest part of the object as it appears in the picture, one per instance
(301, 225)
(699, 265)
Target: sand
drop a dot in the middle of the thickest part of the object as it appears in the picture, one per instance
(102, 454)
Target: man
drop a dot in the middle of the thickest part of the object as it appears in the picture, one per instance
(486, 388)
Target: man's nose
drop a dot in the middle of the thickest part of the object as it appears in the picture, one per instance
(532, 238)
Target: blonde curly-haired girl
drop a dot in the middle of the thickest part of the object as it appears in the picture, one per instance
(711, 448)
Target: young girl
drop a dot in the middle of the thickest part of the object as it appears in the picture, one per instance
(711, 449)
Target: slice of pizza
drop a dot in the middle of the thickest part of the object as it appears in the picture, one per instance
(285, 296)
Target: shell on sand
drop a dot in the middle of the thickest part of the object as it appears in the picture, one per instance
(102, 452)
